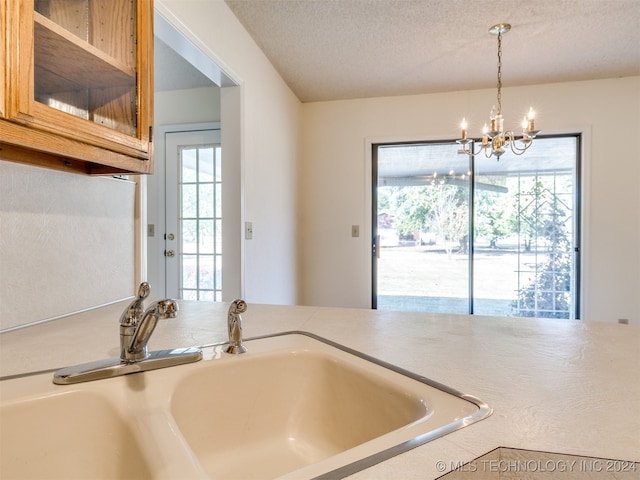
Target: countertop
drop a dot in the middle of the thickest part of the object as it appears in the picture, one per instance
(569, 387)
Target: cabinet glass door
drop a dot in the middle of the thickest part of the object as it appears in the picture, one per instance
(85, 60)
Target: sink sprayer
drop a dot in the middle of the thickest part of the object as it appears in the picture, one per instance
(234, 326)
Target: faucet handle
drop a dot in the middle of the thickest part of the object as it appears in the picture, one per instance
(133, 313)
(144, 290)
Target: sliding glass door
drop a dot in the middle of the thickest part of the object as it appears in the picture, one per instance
(457, 234)
(422, 221)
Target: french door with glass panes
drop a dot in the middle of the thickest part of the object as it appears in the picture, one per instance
(193, 242)
(455, 234)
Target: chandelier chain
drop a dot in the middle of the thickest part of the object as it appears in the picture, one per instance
(499, 73)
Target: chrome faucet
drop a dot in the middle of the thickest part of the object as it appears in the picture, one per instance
(136, 331)
(136, 327)
(234, 326)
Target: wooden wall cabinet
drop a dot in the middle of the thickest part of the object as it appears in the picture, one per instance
(76, 84)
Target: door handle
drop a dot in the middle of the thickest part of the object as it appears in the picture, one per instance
(169, 253)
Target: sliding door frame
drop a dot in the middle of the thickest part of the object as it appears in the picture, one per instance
(578, 220)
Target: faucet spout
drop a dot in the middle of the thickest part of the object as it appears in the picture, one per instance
(137, 324)
(234, 327)
(157, 311)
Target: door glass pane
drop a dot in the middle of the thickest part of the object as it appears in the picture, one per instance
(201, 223)
(206, 170)
(423, 228)
(218, 201)
(206, 236)
(525, 217)
(189, 237)
(189, 161)
(206, 273)
(218, 278)
(206, 200)
(190, 272)
(99, 86)
(218, 162)
(189, 200)
(218, 236)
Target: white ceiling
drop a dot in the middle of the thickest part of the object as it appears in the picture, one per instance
(340, 49)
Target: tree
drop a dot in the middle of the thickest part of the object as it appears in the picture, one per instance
(544, 214)
(442, 207)
(494, 215)
(450, 215)
(409, 206)
(414, 208)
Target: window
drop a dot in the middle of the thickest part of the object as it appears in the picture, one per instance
(456, 234)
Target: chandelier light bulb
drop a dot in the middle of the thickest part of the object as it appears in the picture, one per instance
(485, 135)
(493, 119)
(531, 116)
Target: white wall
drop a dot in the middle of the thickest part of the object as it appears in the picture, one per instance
(195, 105)
(270, 130)
(335, 179)
(66, 243)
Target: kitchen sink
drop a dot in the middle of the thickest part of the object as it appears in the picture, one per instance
(293, 406)
(67, 435)
(299, 404)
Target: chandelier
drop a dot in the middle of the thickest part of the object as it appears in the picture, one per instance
(495, 140)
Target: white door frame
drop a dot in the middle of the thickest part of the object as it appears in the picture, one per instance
(232, 215)
(157, 211)
(174, 267)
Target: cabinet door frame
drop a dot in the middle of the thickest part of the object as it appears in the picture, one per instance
(22, 108)
(4, 51)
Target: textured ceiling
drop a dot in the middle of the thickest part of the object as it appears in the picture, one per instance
(340, 49)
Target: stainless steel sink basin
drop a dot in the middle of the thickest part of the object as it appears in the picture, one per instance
(294, 406)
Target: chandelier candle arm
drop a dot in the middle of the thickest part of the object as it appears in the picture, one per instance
(494, 137)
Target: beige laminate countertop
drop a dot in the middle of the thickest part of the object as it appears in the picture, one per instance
(569, 387)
